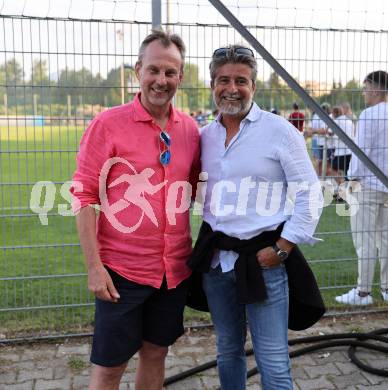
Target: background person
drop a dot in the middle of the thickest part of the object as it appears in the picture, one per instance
(347, 111)
(201, 118)
(342, 154)
(369, 217)
(297, 117)
(212, 116)
(138, 278)
(319, 132)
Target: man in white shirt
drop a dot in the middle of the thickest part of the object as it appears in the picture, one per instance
(369, 220)
(347, 111)
(255, 162)
(321, 138)
(342, 154)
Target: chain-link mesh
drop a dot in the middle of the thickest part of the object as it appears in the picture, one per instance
(63, 62)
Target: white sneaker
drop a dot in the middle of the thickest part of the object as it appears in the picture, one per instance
(384, 294)
(352, 298)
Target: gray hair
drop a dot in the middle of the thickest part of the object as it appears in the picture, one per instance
(232, 58)
(346, 106)
(326, 107)
(166, 38)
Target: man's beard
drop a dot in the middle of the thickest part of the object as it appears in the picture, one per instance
(240, 107)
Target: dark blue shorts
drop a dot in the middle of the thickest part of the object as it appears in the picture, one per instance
(341, 163)
(330, 153)
(142, 313)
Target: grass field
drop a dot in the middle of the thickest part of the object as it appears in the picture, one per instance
(42, 281)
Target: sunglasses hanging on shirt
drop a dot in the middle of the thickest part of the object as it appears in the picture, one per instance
(165, 154)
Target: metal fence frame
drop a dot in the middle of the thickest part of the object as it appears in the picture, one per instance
(19, 284)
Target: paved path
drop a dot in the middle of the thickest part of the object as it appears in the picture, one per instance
(64, 365)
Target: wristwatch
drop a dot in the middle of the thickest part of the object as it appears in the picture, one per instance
(282, 254)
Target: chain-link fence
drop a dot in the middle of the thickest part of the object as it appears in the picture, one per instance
(57, 72)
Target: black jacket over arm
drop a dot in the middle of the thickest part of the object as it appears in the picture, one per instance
(306, 306)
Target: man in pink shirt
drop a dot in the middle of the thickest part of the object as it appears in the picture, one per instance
(138, 162)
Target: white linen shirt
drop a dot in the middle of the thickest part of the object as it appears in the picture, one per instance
(251, 183)
(372, 138)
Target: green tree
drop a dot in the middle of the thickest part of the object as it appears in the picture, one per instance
(353, 95)
(11, 81)
(81, 85)
(40, 82)
(39, 73)
(350, 93)
(198, 95)
(274, 93)
(274, 82)
(111, 90)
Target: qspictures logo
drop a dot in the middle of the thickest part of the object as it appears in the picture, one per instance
(222, 199)
(138, 185)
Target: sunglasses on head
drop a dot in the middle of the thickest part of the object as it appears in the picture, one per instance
(239, 50)
(165, 155)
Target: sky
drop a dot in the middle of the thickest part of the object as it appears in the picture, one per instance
(360, 14)
(304, 45)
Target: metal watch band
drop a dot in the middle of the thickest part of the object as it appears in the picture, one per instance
(282, 254)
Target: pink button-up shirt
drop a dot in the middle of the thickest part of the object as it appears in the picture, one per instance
(143, 228)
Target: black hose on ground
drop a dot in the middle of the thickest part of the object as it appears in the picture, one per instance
(352, 340)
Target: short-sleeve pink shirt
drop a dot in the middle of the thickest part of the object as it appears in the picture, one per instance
(143, 228)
